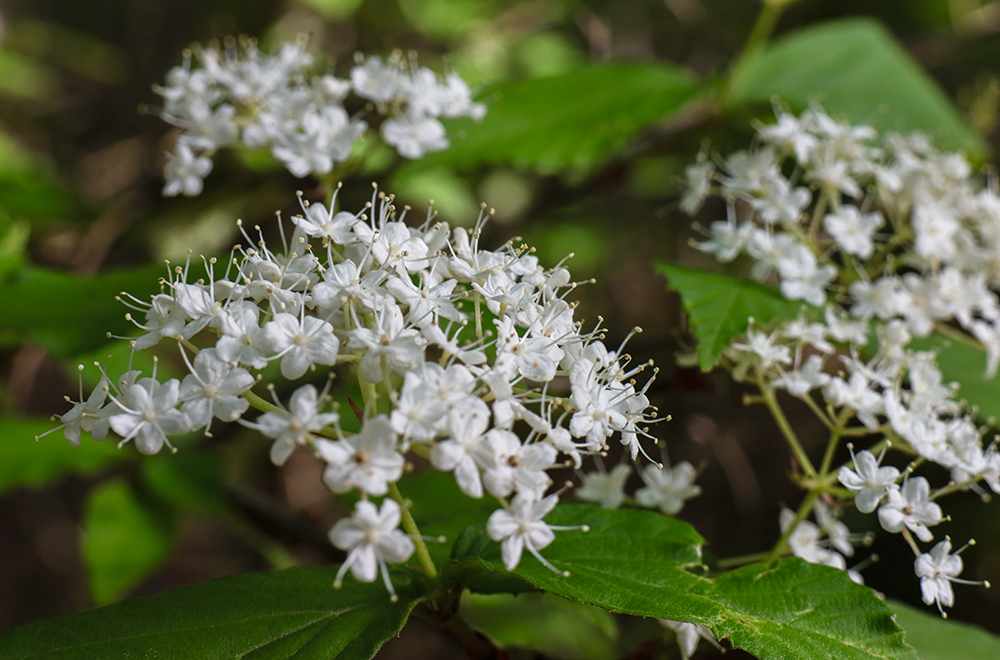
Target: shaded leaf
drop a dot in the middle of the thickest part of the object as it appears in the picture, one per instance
(260, 616)
(542, 622)
(943, 639)
(856, 69)
(720, 307)
(69, 314)
(191, 479)
(639, 562)
(124, 539)
(571, 121)
(24, 462)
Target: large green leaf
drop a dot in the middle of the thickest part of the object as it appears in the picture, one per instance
(124, 538)
(294, 613)
(24, 462)
(574, 120)
(854, 68)
(639, 562)
(941, 639)
(69, 314)
(720, 307)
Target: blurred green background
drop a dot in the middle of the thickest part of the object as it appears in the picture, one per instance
(595, 172)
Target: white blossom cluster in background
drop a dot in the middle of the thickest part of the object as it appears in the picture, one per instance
(888, 239)
(239, 95)
(457, 349)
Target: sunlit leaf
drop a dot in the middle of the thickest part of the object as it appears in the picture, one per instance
(720, 307)
(639, 562)
(570, 121)
(855, 69)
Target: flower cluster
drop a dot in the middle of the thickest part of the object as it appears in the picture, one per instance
(886, 240)
(456, 348)
(240, 95)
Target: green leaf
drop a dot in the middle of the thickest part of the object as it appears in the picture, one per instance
(853, 68)
(571, 121)
(24, 462)
(639, 562)
(124, 539)
(966, 364)
(542, 622)
(278, 615)
(190, 479)
(13, 241)
(943, 639)
(720, 307)
(69, 314)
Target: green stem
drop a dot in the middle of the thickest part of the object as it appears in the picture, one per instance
(479, 320)
(760, 33)
(271, 551)
(959, 336)
(731, 562)
(835, 434)
(786, 429)
(818, 212)
(823, 417)
(260, 404)
(370, 396)
(782, 545)
(410, 525)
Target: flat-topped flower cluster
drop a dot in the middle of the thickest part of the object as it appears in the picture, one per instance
(887, 239)
(239, 95)
(456, 348)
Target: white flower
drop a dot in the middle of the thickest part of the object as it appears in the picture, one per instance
(294, 426)
(762, 346)
(937, 570)
(371, 538)
(147, 413)
(727, 239)
(909, 506)
(212, 389)
(605, 488)
(698, 178)
(367, 461)
(391, 340)
(668, 488)
(85, 415)
(853, 230)
(414, 135)
(460, 452)
(801, 381)
(300, 343)
(184, 171)
(535, 358)
(688, 634)
(509, 465)
(521, 526)
(870, 483)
